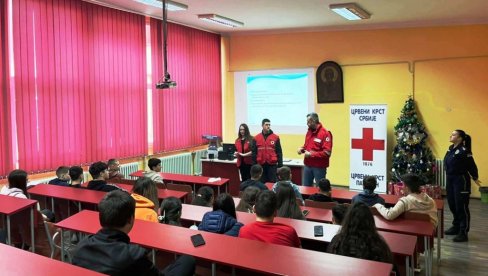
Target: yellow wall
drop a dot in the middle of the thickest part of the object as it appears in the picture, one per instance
(442, 66)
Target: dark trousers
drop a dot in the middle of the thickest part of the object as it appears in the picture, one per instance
(269, 173)
(458, 191)
(184, 265)
(245, 170)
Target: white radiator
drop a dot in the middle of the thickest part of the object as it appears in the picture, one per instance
(179, 163)
(440, 173)
(197, 161)
(127, 169)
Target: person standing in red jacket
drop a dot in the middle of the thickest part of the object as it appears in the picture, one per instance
(317, 150)
(266, 151)
(243, 152)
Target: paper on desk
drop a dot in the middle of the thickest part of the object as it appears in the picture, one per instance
(214, 179)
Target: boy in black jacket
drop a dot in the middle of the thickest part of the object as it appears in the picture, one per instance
(109, 251)
(324, 191)
(368, 195)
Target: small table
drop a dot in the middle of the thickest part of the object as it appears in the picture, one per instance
(10, 205)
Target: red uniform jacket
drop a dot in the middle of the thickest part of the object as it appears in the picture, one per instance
(266, 151)
(247, 148)
(318, 141)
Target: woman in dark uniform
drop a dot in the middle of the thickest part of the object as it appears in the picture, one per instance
(460, 168)
(243, 152)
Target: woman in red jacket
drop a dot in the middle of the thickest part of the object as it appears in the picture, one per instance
(244, 153)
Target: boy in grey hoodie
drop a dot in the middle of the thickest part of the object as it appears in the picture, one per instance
(154, 171)
(415, 201)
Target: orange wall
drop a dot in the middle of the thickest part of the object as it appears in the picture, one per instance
(443, 67)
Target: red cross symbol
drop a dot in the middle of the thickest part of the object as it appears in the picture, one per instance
(368, 144)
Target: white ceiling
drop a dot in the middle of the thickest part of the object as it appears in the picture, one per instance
(277, 16)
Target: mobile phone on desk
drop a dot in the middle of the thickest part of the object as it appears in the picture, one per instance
(318, 231)
(305, 212)
(197, 240)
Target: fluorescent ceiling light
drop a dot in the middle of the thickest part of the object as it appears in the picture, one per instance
(170, 5)
(350, 11)
(217, 19)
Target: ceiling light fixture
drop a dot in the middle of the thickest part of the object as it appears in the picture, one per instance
(217, 19)
(170, 5)
(350, 11)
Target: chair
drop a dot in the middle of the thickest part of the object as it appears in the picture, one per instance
(318, 204)
(53, 237)
(182, 188)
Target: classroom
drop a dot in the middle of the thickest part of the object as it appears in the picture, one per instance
(121, 82)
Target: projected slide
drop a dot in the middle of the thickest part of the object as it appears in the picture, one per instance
(283, 96)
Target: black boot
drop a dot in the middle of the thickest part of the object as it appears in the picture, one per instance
(452, 231)
(461, 237)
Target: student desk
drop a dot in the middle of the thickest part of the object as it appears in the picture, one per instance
(265, 258)
(67, 193)
(190, 179)
(228, 169)
(400, 244)
(15, 261)
(9, 206)
(390, 200)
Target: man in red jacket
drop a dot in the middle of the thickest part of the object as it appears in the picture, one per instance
(317, 150)
(266, 151)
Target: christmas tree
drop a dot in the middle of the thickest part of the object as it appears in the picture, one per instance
(411, 153)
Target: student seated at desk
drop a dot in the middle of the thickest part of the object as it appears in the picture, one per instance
(76, 175)
(20, 222)
(204, 197)
(145, 193)
(154, 165)
(264, 229)
(415, 201)
(114, 170)
(17, 184)
(170, 211)
(63, 177)
(338, 213)
(109, 251)
(287, 203)
(248, 199)
(99, 172)
(284, 174)
(359, 238)
(223, 218)
(255, 180)
(324, 191)
(368, 195)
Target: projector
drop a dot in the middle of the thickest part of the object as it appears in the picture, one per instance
(166, 84)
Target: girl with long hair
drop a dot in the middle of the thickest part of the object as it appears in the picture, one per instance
(287, 203)
(359, 238)
(145, 193)
(244, 152)
(170, 211)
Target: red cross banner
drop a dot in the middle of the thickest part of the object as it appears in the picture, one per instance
(368, 145)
